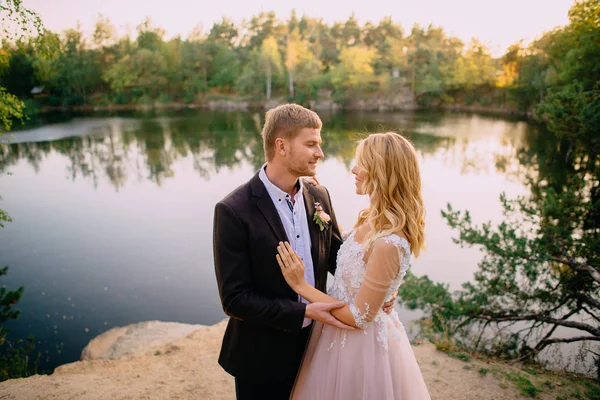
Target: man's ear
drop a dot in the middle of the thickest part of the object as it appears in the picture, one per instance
(281, 146)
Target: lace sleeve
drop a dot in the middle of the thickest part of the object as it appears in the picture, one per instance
(383, 266)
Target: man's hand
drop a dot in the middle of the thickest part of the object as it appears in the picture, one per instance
(388, 307)
(322, 312)
(311, 180)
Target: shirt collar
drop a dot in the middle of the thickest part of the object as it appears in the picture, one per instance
(274, 191)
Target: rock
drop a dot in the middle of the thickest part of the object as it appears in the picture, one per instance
(273, 103)
(227, 105)
(187, 369)
(135, 339)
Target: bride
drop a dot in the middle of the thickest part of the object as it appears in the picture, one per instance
(375, 361)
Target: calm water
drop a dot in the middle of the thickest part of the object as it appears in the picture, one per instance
(113, 215)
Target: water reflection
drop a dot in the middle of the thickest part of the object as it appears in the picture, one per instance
(121, 150)
(113, 216)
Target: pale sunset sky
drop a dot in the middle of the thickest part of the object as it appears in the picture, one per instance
(497, 23)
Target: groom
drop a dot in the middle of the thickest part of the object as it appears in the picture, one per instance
(269, 324)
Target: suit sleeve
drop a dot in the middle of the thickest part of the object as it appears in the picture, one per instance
(234, 278)
(336, 239)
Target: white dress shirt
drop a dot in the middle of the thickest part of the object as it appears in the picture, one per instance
(294, 220)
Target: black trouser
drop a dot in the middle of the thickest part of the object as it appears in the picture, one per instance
(249, 390)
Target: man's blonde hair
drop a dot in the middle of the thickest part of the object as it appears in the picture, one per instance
(285, 121)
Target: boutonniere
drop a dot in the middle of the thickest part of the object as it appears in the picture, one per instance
(320, 217)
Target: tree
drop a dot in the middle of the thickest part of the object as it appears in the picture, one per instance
(351, 32)
(354, 70)
(78, 71)
(196, 62)
(582, 44)
(13, 357)
(302, 66)
(17, 72)
(261, 27)
(541, 269)
(143, 73)
(292, 57)
(270, 62)
(149, 37)
(223, 32)
(225, 67)
(18, 21)
(11, 109)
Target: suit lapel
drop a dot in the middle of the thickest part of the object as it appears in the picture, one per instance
(267, 208)
(315, 233)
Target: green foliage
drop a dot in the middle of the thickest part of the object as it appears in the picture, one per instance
(15, 359)
(7, 300)
(225, 66)
(582, 44)
(143, 74)
(4, 217)
(592, 390)
(21, 19)
(264, 57)
(574, 113)
(354, 72)
(541, 264)
(526, 388)
(461, 356)
(11, 109)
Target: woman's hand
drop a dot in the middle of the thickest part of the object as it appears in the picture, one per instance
(292, 266)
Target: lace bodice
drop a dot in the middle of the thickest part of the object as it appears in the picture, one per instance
(366, 284)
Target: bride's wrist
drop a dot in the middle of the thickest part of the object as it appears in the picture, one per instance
(301, 287)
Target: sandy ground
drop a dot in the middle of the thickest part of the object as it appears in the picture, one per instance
(188, 369)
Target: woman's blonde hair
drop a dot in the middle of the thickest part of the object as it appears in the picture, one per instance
(393, 183)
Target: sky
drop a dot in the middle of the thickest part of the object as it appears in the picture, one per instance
(497, 23)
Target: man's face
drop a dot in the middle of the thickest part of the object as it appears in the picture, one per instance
(304, 152)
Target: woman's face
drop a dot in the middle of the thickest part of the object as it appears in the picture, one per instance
(360, 176)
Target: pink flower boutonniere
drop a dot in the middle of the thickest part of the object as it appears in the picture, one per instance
(321, 217)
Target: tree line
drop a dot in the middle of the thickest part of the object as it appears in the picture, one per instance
(266, 57)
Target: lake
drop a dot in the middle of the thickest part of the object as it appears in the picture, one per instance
(112, 214)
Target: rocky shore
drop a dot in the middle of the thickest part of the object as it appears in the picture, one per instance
(166, 360)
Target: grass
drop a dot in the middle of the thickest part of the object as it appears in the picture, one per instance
(460, 355)
(530, 371)
(531, 381)
(592, 390)
(526, 388)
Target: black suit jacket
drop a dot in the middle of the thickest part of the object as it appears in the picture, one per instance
(261, 338)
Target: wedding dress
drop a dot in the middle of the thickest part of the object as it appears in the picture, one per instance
(375, 362)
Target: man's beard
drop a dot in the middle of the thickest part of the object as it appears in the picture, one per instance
(299, 169)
